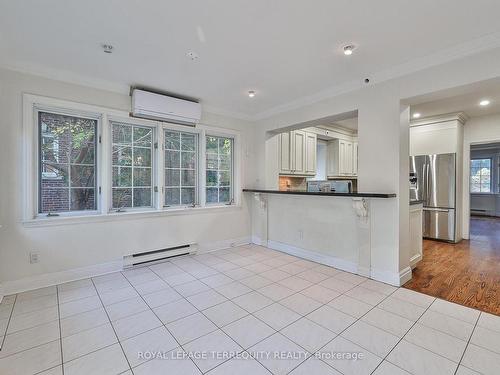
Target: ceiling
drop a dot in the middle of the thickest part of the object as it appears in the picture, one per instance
(460, 99)
(285, 50)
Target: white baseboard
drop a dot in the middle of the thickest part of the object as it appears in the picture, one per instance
(315, 257)
(415, 259)
(258, 241)
(208, 247)
(392, 278)
(54, 278)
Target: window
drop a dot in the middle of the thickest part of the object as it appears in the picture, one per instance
(480, 176)
(132, 165)
(181, 168)
(219, 169)
(67, 163)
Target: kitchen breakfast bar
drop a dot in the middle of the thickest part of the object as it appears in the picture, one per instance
(354, 232)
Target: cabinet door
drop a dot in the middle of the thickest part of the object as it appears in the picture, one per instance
(355, 158)
(298, 152)
(342, 158)
(348, 158)
(311, 154)
(284, 153)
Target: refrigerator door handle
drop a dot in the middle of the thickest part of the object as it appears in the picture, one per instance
(436, 209)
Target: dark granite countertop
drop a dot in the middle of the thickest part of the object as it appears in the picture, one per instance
(329, 194)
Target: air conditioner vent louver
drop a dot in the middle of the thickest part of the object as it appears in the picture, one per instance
(152, 256)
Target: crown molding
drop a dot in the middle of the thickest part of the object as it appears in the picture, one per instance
(458, 116)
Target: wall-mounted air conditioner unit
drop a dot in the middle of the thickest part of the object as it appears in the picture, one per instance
(154, 106)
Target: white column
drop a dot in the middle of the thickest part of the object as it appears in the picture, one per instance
(383, 135)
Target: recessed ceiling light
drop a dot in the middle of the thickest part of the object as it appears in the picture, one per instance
(484, 102)
(107, 48)
(251, 93)
(348, 50)
(416, 115)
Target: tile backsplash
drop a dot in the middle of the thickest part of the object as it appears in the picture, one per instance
(293, 183)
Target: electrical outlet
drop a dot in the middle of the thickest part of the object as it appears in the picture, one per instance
(34, 258)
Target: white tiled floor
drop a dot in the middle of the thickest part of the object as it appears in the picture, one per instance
(230, 312)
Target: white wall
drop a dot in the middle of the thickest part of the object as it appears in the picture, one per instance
(483, 129)
(65, 247)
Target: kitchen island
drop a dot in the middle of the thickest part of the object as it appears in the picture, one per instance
(348, 231)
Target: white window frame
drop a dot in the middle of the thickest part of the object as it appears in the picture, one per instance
(492, 190)
(154, 162)
(34, 167)
(104, 116)
(232, 190)
(161, 146)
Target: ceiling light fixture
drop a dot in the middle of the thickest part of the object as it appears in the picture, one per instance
(349, 49)
(251, 93)
(107, 48)
(416, 115)
(484, 102)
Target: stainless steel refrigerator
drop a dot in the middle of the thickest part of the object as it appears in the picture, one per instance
(433, 181)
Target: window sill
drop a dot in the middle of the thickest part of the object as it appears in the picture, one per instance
(119, 216)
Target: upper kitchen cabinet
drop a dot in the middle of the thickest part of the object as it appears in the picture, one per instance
(342, 158)
(297, 153)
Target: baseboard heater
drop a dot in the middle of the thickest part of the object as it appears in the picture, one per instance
(149, 257)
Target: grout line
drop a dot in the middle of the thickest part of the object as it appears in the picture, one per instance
(402, 338)
(468, 342)
(112, 327)
(8, 323)
(60, 331)
(157, 317)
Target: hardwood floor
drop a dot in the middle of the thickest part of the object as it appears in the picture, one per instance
(467, 273)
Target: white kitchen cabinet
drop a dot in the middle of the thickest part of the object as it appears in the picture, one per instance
(342, 158)
(415, 234)
(311, 142)
(297, 153)
(355, 158)
(284, 153)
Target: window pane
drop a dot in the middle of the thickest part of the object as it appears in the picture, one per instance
(172, 140)
(172, 177)
(480, 176)
(188, 178)
(132, 165)
(187, 195)
(82, 199)
(122, 134)
(122, 155)
(181, 169)
(122, 176)
(82, 176)
(67, 163)
(172, 159)
(142, 197)
(219, 173)
(212, 195)
(143, 137)
(172, 196)
(142, 177)
(122, 198)
(188, 160)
